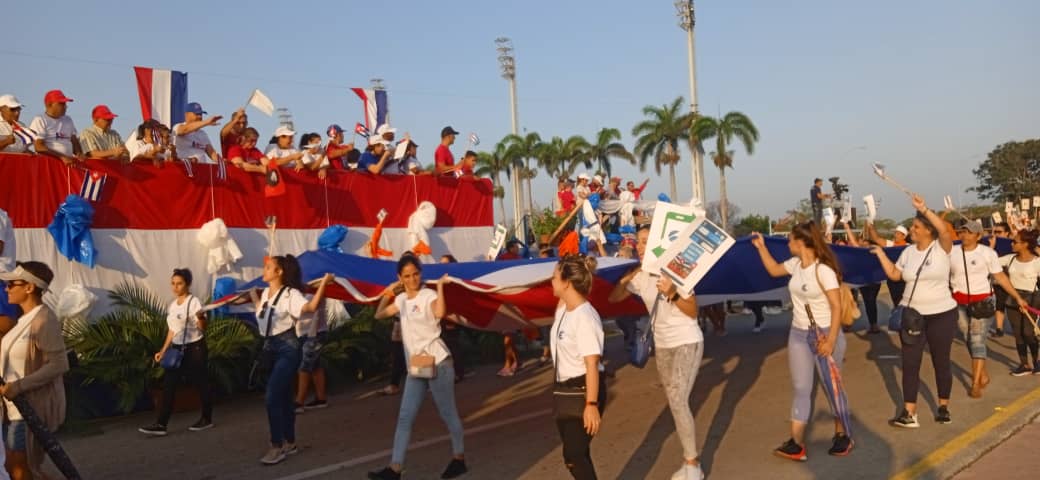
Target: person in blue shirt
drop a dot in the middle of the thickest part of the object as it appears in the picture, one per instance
(376, 157)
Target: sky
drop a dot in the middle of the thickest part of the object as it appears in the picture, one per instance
(927, 88)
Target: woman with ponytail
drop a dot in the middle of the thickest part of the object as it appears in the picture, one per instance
(814, 286)
(277, 311)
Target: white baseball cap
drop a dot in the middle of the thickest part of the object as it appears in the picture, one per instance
(377, 140)
(9, 101)
(597, 179)
(902, 229)
(583, 176)
(384, 128)
(20, 273)
(284, 131)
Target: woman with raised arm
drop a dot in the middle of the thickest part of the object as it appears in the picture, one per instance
(815, 280)
(421, 311)
(929, 311)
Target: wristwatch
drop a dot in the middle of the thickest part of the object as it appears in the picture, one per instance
(591, 404)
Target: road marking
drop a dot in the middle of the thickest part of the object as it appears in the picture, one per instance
(415, 445)
(958, 443)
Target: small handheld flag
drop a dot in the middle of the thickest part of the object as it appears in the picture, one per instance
(360, 130)
(474, 139)
(261, 102)
(93, 183)
(26, 135)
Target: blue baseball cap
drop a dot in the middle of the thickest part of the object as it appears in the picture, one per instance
(334, 129)
(196, 108)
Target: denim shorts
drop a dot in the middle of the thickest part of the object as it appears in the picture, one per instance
(14, 436)
(312, 352)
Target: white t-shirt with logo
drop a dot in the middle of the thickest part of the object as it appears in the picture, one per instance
(284, 314)
(279, 152)
(6, 130)
(1023, 274)
(933, 286)
(575, 335)
(805, 290)
(420, 329)
(310, 159)
(7, 256)
(56, 133)
(192, 145)
(982, 262)
(672, 327)
(181, 315)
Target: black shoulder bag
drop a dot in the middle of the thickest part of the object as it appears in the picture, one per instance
(913, 321)
(983, 308)
(264, 361)
(171, 360)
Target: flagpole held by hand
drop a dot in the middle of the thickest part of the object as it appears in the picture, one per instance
(879, 170)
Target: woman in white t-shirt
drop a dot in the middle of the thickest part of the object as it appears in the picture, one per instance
(815, 280)
(421, 310)
(278, 309)
(186, 331)
(925, 267)
(314, 158)
(576, 342)
(1023, 267)
(678, 347)
(972, 265)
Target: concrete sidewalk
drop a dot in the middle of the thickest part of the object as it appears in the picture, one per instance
(741, 401)
(1014, 459)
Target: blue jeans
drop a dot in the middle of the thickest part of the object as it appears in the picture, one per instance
(443, 390)
(975, 331)
(281, 412)
(14, 436)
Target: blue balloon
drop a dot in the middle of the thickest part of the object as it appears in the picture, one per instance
(331, 238)
(664, 198)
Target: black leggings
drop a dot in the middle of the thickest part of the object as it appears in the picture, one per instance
(870, 293)
(1025, 337)
(194, 367)
(895, 290)
(577, 455)
(939, 331)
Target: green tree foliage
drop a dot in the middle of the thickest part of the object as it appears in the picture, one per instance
(1010, 172)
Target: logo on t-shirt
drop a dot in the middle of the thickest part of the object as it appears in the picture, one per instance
(416, 309)
(559, 334)
(805, 288)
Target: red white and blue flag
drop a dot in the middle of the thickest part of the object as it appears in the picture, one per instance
(163, 94)
(93, 183)
(25, 134)
(361, 130)
(376, 108)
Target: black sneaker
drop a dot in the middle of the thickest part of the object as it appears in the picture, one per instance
(997, 333)
(791, 451)
(905, 420)
(1036, 367)
(1022, 371)
(943, 415)
(155, 430)
(202, 424)
(316, 404)
(385, 474)
(455, 469)
(842, 445)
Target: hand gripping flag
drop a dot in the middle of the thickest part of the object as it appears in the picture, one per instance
(26, 135)
(261, 102)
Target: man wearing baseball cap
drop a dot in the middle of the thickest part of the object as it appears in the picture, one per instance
(189, 138)
(336, 150)
(99, 140)
(10, 110)
(375, 158)
(443, 159)
(55, 130)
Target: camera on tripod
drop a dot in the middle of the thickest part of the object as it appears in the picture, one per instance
(840, 189)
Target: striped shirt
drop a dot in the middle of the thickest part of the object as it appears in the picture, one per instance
(94, 139)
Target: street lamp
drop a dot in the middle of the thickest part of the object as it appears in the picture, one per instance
(507, 63)
(687, 20)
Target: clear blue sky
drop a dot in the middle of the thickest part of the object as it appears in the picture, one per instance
(929, 87)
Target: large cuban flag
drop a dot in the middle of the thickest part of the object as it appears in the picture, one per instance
(377, 110)
(163, 93)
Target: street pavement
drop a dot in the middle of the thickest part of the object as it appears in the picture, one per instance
(741, 401)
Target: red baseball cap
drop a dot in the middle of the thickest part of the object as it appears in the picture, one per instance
(55, 96)
(102, 111)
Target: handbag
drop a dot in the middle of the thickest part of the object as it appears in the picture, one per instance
(849, 308)
(912, 320)
(172, 358)
(422, 364)
(983, 308)
(264, 361)
(644, 341)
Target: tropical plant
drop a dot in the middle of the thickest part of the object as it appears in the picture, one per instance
(357, 349)
(521, 150)
(659, 137)
(723, 129)
(607, 147)
(493, 164)
(560, 158)
(545, 222)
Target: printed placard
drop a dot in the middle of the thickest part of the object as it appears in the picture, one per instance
(692, 255)
(1009, 207)
(870, 206)
(669, 221)
(1025, 204)
(497, 241)
(997, 218)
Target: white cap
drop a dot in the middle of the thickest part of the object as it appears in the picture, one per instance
(284, 131)
(597, 179)
(377, 140)
(902, 229)
(24, 275)
(9, 101)
(384, 128)
(582, 176)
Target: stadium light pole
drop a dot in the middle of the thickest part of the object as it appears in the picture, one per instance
(507, 63)
(684, 10)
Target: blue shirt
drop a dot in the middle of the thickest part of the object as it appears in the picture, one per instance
(367, 158)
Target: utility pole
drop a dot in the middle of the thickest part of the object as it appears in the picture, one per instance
(687, 20)
(285, 118)
(507, 62)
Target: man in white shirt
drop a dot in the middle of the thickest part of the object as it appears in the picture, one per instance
(10, 141)
(57, 133)
(189, 138)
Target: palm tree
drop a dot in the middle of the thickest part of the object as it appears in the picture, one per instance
(560, 158)
(493, 164)
(659, 136)
(606, 146)
(733, 124)
(523, 150)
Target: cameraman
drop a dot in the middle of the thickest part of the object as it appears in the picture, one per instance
(816, 198)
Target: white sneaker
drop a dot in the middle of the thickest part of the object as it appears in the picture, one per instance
(688, 472)
(273, 456)
(757, 329)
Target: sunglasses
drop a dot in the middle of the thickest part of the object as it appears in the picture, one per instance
(15, 283)
(999, 232)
